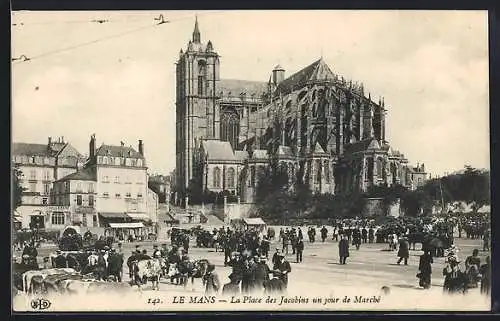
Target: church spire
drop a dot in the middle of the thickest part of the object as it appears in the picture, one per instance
(196, 32)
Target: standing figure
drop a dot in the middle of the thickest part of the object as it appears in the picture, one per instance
(425, 270)
(485, 271)
(283, 268)
(300, 249)
(472, 264)
(324, 234)
(343, 249)
(403, 252)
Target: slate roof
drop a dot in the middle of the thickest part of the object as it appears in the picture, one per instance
(118, 151)
(285, 151)
(31, 149)
(28, 149)
(316, 71)
(218, 150)
(359, 146)
(236, 87)
(241, 155)
(86, 174)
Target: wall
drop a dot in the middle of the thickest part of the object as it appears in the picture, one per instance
(117, 182)
(152, 206)
(223, 177)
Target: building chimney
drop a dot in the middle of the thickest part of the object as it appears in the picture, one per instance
(62, 139)
(141, 147)
(50, 141)
(92, 147)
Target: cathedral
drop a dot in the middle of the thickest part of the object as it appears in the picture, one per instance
(323, 130)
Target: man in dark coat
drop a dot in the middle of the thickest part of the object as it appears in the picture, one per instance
(130, 260)
(283, 268)
(403, 252)
(233, 287)
(485, 271)
(60, 261)
(115, 265)
(343, 249)
(261, 273)
(324, 234)
(300, 250)
(371, 235)
(364, 235)
(425, 270)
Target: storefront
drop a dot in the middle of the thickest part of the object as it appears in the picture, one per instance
(126, 231)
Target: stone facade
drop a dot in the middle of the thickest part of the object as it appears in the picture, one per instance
(325, 131)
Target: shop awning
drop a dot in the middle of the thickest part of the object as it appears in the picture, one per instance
(138, 216)
(126, 225)
(113, 215)
(254, 221)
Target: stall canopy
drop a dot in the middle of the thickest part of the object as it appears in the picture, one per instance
(140, 216)
(254, 221)
(126, 225)
(113, 215)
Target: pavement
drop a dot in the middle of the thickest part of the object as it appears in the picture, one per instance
(320, 274)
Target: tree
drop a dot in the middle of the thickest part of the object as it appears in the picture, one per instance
(17, 189)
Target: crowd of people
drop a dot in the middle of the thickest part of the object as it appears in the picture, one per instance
(254, 269)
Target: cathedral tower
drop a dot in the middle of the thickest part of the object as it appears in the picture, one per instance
(197, 115)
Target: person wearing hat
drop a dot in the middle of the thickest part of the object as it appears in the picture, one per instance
(404, 250)
(343, 249)
(211, 280)
(115, 265)
(233, 287)
(60, 261)
(260, 273)
(275, 258)
(156, 251)
(101, 268)
(119, 249)
(485, 271)
(164, 250)
(130, 260)
(283, 268)
(454, 279)
(300, 249)
(425, 269)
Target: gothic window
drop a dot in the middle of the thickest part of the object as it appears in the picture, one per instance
(394, 173)
(201, 76)
(230, 178)
(217, 177)
(252, 176)
(317, 168)
(327, 172)
(380, 167)
(369, 169)
(230, 127)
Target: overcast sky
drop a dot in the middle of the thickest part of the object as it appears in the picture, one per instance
(431, 67)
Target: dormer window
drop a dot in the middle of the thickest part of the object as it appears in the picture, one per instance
(105, 160)
(139, 162)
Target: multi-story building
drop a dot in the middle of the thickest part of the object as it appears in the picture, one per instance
(41, 165)
(73, 200)
(121, 180)
(160, 184)
(110, 189)
(325, 132)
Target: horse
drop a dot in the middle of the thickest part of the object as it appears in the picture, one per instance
(145, 270)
